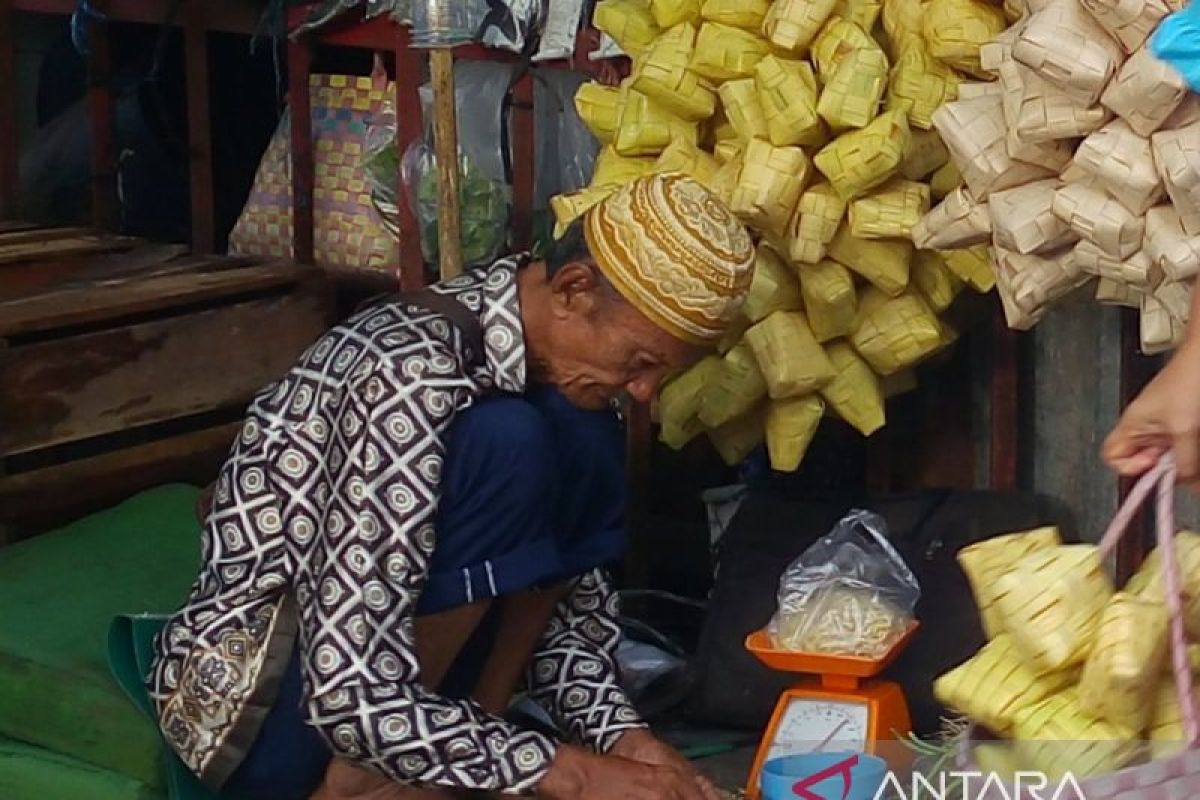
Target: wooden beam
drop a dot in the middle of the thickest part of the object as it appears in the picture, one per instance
(524, 159)
(299, 67)
(200, 165)
(9, 140)
(408, 130)
(445, 145)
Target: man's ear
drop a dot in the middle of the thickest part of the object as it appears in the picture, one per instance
(575, 289)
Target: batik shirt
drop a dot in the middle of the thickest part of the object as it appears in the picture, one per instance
(321, 531)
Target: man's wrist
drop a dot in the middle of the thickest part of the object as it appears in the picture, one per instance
(565, 778)
(631, 740)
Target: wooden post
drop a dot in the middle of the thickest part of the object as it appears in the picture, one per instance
(100, 120)
(9, 144)
(445, 141)
(200, 166)
(408, 130)
(299, 65)
(1005, 391)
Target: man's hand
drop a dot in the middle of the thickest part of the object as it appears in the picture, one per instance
(1164, 417)
(641, 745)
(577, 774)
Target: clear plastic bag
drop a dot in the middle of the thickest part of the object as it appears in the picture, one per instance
(850, 593)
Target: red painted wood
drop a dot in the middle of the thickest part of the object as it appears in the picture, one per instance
(299, 67)
(9, 144)
(1004, 390)
(524, 162)
(100, 121)
(200, 166)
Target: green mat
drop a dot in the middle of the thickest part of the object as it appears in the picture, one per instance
(31, 773)
(59, 593)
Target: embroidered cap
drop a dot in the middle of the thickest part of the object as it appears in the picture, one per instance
(674, 251)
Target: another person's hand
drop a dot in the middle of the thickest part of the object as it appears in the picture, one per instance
(641, 745)
(577, 774)
(1164, 417)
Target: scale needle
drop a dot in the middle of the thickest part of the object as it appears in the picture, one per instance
(830, 736)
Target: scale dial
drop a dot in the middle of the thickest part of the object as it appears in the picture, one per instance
(811, 725)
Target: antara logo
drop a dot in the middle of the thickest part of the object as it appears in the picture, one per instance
(981, 786)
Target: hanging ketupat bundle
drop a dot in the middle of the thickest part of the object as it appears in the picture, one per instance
(1148, 582)
(740, 100)
(569, 207)
(788, 355)
(973, 265)
(814, 223)
(628, 22)
(858, 161)
(685, 157)
(889, 212)
(852, 93)
(838, 39)
(794, 24)
(954, 30)
(830, 300)
(1057, 736)
(925, 155)
(894, 333)
(855, 393)
(1117, 683)
(664, 77)
(791, 425)
(934, 280)
(984, 562)
(958, 221)
(723, 53)
(737, 386)
(614, 169)
(919, 85)
(787, 93)
(769, 184)
(746, 14)
(883, 262)
(773, 288)
(862, 13)
(669, 13)
(679, 403)
(737, 439)
(646, 128)
(599, 107)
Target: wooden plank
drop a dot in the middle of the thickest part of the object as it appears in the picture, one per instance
(58, 248)
(14, 225)
(82, 305)
(299, 67)
(24, 233)
(84, 386)
(101, 123)
(200, 167)
(9, 143)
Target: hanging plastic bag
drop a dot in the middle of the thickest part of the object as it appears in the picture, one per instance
(850, 593)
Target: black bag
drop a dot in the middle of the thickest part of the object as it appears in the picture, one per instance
(771, 529)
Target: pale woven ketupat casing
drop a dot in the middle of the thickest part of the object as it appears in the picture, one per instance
(745, 14)
(1145, 92)
(1160, 332)
(1053, 156)
(569, 207)
(974, 133)
(993, 54)
(995, 684)
(1067, 46)
(858, 161)
(723, 53)
(1037, 282)
(925, 155)
(945, 180)
(814, 223)
(794, 24)
(863, 13)
(773, 288)
(646, 128)
(1169, 246)
(1044, 112)
(855, 393)
(669, 13)
(791, 425)
(1016, 317)
(974, 265)
(1050, 602)
(787, 93)
(1177, 157)
(1100, 219)
(896, 332)
(1138, 270)
(687, 158)
(984, 562)
(934, 280)
(613, 169)
(628, 22)
(969, 90)
(788, 355)
(734, 389)
(769, 185)
(890, 211)
(919, 84)
(852, 93)
(599, 107)
(1166, 734)
(1118, 679)
(830, 299)
(1022, 219)
(838, 39)
(954, 31)
(1058, 736)
(664, 77)
(883, 262)
(1115, 293)
(679, 403)
(1129, 21)
(1176, 297)
(739, 98)
(737, 438)
(1123, 163)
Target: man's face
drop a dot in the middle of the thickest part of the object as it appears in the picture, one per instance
(601, 346)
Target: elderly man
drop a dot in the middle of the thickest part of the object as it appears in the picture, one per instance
(417, 515)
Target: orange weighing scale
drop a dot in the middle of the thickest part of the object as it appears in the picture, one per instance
(840, 706)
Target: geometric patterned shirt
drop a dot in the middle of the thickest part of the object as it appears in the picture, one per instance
(321, 532)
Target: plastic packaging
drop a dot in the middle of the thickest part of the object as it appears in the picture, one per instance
(1177, 41)
(443, 23)
(850, 593)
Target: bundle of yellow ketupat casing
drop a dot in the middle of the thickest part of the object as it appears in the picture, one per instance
(1075, 677)
(814, 124)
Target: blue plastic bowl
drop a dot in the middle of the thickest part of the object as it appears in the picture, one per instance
(780, 776)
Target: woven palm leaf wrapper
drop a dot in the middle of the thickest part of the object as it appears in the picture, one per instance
(664, 77)
(679, 403)
(773, 288)
(1051, 601)
(613, 169)
(890, 211)
(599, 107)
(646, 128)
(863, 13)
(957, 221)
(723, 53)
(669, 13)
(739, 98)
(925, 155)
(855, 393)
(995, 684)
(769, 185)
(893, 333)
(569, 207)
(1023, 219)
(901, 22)
(1058, 736)
(920, 84)
(934, 280)
(1169, 246)
(883, 262)
(745, 14)
(737, 438)
(1031, 284)
(814, 223)
(1160, 331)
(1166, 734)
(1177, 157)
(954, 30)
(969, 90)
(687, 158)
(1148, 581)
(974, 265)
(1123, 164)
(1065, 45)
(725, 181)
(791, 425)
(986, 561)
(1145, 92)
(733, 337)
(1115, 293)
(1044, 112)
(728, 149)
(1118, 679)
(1176, 297)
(837, 40)
(974, 132)
(852, 93)
(1130, 22)
(789, 356)
(787, 92)
(830, 299)
(628, 22)
(858, 161)
(793, 24)
(734, 389)
(1137, 271)
(1099, 219)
